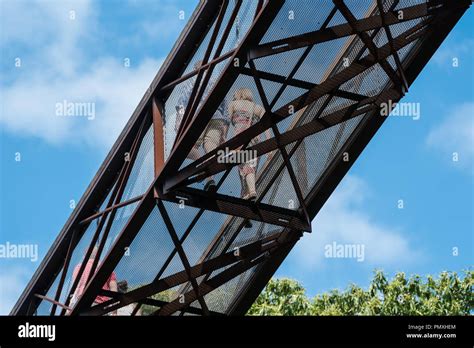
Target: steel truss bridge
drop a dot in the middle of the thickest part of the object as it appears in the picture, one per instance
(321, 70)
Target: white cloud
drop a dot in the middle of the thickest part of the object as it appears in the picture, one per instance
(461, 50)
(56, 66)
(29, 107)
(12, 283)
(344, 220)
(455, 134)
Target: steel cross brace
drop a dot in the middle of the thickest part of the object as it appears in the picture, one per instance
(197, 168)
(247, 252)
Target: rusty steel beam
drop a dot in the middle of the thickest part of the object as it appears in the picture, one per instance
(239, 207)
(54, 302)
(106, 210)
(158, 136)
(289, 81)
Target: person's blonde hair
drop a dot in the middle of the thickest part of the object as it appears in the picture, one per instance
(243, 94)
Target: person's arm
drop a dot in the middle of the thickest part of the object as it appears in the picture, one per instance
(113, 285)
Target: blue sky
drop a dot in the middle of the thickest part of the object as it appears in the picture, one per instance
(83, 58)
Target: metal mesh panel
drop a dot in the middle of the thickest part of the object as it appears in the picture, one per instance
(368, 83)
(147, 252)
(392, 62)
(324, 145)
(270, 173)
(350, 55)
(181, 215)
(107, 198)
(201, 50)
(232, 186)
(270, 89)
(174, 266)
(312, 110)
(240, 26)
(239, 29)
(219, 299)
(77, 258)
(121, 217)
(171, 107)
(337, 19)
(407, 3)
(142, 173)
(259, 230)
(316, 108)
(289, 94)
(231, 40)
(387, 4)
(400, 28)
(360, 8)
(282, 192)
(336, 104)
(201, 235)
(320, 59)
(281, 63)
(216, 73)
(297, 17)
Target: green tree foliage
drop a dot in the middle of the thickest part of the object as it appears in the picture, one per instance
(448, 294)
(167, 296)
